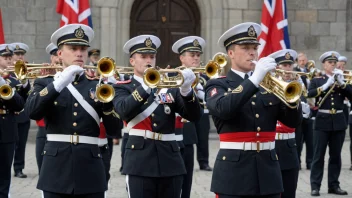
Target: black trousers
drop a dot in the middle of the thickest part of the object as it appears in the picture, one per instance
(154, 187)
(351, 142)
(20, 150)
(322, 139)
(123, 147)
(304, 134)
(289, 179)
(202, 128)
(105, 153)
(58, 195)
(39, 146)
(7, 151)
(235, 196)
(188, 158)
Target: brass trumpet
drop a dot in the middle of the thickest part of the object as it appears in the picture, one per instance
(154, 78)
(6, 92)
(310, 75)
(30, 71)
(288, 93)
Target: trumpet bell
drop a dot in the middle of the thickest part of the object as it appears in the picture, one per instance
(106, 66)
(105, 93)
(6, 92)
(220, 58)
(212, 69)
(20, 69)
(151, 77)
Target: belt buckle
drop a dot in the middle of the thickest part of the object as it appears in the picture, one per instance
(258, 146)
(72, 139)
(332, 111)
(160, 136)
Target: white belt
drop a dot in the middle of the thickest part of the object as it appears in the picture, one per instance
(73, 139)
(285, 136)
(152, 135)
(206, 110)
(331, 111)
(124, 130)
(258, 146)
(179, 137)
(102, 142)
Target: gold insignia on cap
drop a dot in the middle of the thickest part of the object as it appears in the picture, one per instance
(288, 55)
(251, 31)
(195, 43)
(7, 48)
(148, 42)
(333, 55)
(17, 47)
(79, 33)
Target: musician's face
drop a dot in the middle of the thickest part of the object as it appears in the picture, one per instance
(329, 66)
(341, 65)
(94, 58)
(55, 60)
(190, 59)
(140, 62)
(73, 55)
(302, 60)
(18, 56)
(5, 61)
(286, 67)
(242, 56)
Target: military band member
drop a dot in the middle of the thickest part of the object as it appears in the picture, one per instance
(152, 163)
(285, 143)
(72, 114)
(8, 129)
(94, 56)
(190, 49)
(330, 123)
(19, 53)
(245, 116)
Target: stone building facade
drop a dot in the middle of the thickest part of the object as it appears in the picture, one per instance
(315, 26)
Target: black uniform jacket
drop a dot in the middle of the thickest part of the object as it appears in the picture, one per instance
(333, 102)
(70, 167)
(237, 105)
(148, 157)
(8, 124)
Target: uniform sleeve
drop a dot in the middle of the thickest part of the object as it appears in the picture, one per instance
(16, 103)
(188, 107)
(127, 104)
(290, 117)
(347, 91)
(24, 91)
(40, 100)
(112, 124)
(224, 104)
(314, 90)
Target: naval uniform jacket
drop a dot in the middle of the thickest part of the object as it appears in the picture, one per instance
(238, 107)
(21, 116)
(70, 167)
(328, 121)
(8, 124)
(149, 157)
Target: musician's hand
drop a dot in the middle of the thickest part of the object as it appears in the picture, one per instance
(263, 66)
(65, 77)
(305, 108)
(328, 83)
(340, 77)
(2, 81)
(189, 78)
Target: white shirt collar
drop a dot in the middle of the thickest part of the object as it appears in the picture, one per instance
(139, 79)
(242, 74)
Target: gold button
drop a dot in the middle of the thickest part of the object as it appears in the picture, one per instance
(152, 114)
(76, 104)
(155, 124)
(3, 118)
(257, 115)
(75, 83)
(332, 98)
(254, 96)
(75, 133)
(132, 146)
(223, 157)
(75, 113)
(74, 124)
(258, 128)
(3, 107)
(332, 103)
(99, 155)
(339, 94)
(225, 94)
(44, 152)
(55, 103)
(258, 134)
(270, 103)
(253, 103)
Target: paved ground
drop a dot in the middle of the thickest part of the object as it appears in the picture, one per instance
(26, 188)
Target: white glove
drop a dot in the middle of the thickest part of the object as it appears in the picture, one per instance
(305, 108)
(263, 66)
(340, 78)
(111, 79)
(66, 77)
(200, 94)
(199, 87)
(328, 83)
(2, 81)
(188, 79)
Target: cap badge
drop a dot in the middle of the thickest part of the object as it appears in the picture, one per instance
(148, 42)
(195, 43)
(288, 55)
(79, 33)
(251, 31)
(17, 47)
(333, 55)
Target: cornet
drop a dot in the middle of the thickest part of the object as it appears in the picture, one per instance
(154, 78)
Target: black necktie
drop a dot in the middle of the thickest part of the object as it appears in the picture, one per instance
(246, 76)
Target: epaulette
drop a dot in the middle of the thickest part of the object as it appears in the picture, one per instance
(123, 81)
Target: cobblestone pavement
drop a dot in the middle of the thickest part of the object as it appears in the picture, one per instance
(26, 188)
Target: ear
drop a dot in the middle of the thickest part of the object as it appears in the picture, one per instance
(182, 58)
(132, 61)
